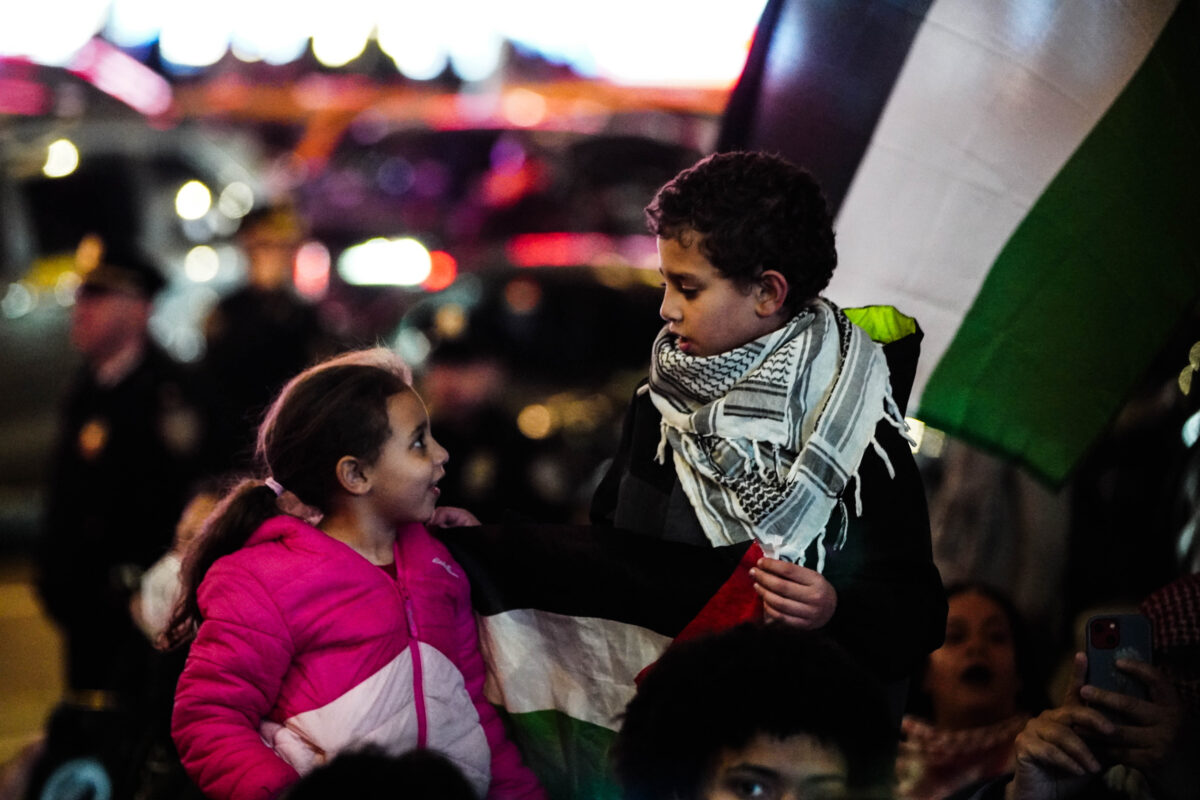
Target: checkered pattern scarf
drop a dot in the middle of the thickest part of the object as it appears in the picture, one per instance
(767, 436)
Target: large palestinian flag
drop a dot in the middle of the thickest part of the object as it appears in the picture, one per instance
(569, 616)
(1022, 176)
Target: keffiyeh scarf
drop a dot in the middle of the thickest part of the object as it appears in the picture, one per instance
(934, 762)
(767, 436)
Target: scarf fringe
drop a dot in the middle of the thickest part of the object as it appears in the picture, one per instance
(660, 455)
(794, 471)
(896, 418)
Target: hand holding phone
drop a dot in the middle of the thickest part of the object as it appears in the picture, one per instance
(1111, 637)
(1141, 701)
(1117, 636)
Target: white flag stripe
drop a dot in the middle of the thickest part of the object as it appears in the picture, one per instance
(993, 99)
(582, 666)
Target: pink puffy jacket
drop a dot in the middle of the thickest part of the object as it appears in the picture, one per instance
(307, 649)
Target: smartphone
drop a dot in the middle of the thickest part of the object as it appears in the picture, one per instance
(1113, 636)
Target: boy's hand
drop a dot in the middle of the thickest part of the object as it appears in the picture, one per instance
(794, 594)
(451, 517)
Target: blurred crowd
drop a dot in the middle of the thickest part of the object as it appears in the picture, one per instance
(1000, 703)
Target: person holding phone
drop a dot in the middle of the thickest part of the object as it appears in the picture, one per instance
(1101, 743)
(970, 699)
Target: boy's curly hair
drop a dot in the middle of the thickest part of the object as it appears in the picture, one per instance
(755, 211)
(718, 692)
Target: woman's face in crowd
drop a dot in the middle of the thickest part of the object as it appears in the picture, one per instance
(794, 768)
(972, 678)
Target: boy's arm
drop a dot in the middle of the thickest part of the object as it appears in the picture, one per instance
(891, 606)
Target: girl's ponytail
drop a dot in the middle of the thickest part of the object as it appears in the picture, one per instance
(244, 508)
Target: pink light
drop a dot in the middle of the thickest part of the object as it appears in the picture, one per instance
(311, 271)
(20, 96)
(556, 249)
(123, 77)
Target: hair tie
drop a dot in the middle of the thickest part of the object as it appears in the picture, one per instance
(275, 486)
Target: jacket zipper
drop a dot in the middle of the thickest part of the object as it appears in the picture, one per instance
(414, 648)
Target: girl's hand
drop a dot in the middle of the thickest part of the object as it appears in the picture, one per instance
(451, 517)
(794, 594)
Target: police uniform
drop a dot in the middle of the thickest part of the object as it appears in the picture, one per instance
(122, 467)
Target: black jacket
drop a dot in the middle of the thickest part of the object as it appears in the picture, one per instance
(891, 609)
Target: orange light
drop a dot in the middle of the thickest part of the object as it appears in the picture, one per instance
(442, 273)
(522, 295)
(524, 108)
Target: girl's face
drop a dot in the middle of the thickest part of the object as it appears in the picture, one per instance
(404, 477)
(972, 678)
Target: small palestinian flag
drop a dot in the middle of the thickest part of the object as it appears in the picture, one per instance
(569, 616)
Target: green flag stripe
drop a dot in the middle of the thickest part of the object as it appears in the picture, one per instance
(1091, 282)
(569, 756)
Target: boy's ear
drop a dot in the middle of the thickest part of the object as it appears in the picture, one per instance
(352, 476)
(771, 292)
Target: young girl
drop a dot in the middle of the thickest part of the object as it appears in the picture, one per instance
(325, 616)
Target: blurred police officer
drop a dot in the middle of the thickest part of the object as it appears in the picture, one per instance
(126, 455)
(258, 336)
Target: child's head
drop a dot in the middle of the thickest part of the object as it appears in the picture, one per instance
(766, 705)
(749, 213)
(339, 408)
(351, 426)
(370, 773)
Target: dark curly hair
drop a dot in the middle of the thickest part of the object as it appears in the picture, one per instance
(707, 695)
(372, 774)
(754, 211)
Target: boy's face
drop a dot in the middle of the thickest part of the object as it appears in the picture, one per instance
(708, 312)
(798, 767)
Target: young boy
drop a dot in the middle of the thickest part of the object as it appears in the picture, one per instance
(769, 416)
(694, 732)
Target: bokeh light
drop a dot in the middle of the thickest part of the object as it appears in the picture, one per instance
(236, 200)
(535, 421)
(311, 274)
(62, 157)
(201, 264)
(193, 200)
(385, 262)
(443, 271)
